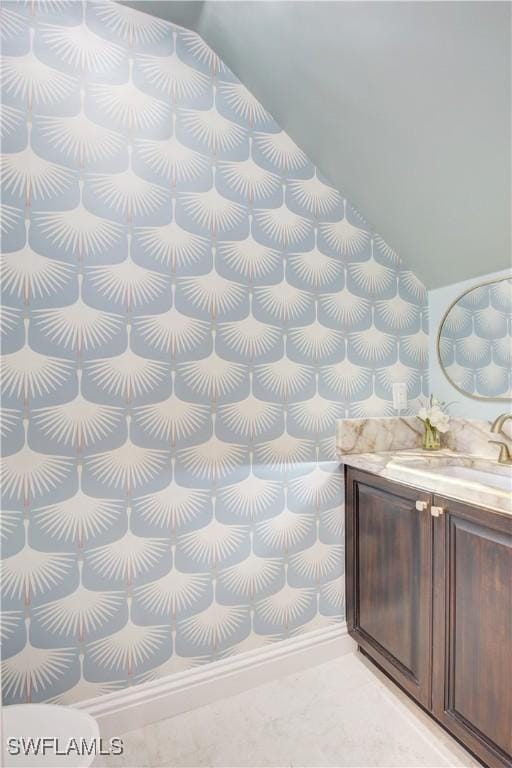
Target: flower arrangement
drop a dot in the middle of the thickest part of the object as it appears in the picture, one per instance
(435, 421)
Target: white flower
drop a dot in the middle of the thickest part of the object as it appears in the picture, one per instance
(435, 416)
(435, 413)
(442, 424)
(439, 419)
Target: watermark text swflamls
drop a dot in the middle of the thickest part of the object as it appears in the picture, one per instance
(44, 745)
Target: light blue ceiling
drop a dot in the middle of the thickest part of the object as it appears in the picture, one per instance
(404, 106)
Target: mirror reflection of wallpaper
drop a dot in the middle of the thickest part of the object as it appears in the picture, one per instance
(475, 344)
(189, 306)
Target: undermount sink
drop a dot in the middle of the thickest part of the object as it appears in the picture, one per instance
(503, 482)
(495, 477)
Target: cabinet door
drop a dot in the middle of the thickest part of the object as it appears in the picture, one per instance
(389, 577)
(472, 681)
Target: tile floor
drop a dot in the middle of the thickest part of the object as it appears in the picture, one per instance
(341, 713)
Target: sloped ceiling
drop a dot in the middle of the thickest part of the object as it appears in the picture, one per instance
(404, 106)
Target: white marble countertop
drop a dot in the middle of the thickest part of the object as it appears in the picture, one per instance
(459, 476)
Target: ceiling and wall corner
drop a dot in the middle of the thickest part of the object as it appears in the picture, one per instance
(405, 107)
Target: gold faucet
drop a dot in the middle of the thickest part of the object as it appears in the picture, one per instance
(505, 456)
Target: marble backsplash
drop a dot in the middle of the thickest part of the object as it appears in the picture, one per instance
(472, 436)
(374, 435)
(377, 434)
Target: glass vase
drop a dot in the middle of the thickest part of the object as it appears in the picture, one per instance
(431, 438)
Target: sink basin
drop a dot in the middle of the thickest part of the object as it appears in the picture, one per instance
(454, 473)
(502, 482)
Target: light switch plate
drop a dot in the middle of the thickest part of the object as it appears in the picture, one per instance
(400, 396)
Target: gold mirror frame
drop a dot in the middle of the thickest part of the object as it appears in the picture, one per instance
(438, 343)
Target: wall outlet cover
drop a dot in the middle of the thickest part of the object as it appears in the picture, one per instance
(400, 396)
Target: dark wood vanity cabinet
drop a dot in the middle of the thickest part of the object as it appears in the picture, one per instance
(429, 600)
(472, 640)
(389, 578)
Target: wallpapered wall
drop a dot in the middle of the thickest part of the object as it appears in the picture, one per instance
(188, 307)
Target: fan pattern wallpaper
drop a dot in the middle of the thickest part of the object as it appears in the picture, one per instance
(475, 345)
(188, 307)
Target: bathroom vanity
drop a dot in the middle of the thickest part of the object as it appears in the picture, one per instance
(429, 586)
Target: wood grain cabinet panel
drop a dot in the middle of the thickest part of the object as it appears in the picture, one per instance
(429, 600)
(389, 580)
(472, 693)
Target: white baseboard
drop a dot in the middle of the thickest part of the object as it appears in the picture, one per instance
(140, 705)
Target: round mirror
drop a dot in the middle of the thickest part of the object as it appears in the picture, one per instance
(474, 344)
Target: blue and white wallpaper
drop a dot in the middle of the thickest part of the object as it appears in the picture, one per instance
(188, 307)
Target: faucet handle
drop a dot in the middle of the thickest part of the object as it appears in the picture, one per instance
(505, 457)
